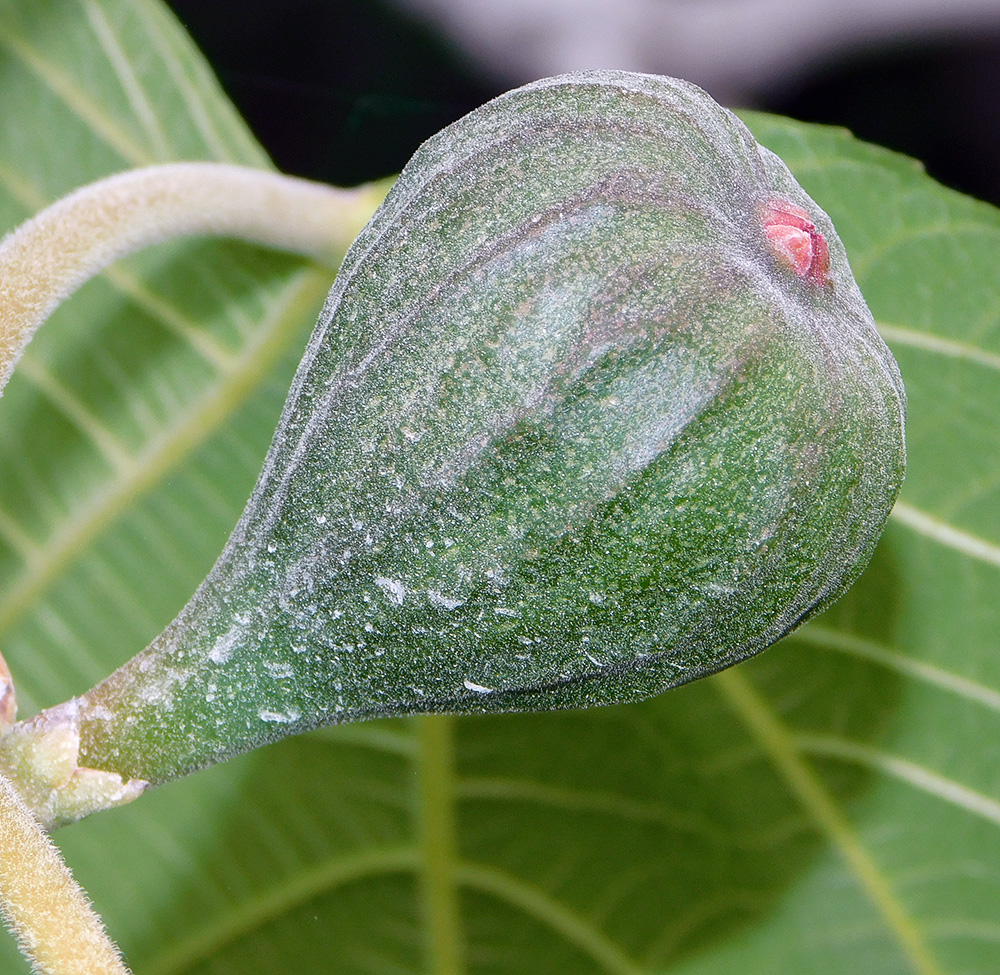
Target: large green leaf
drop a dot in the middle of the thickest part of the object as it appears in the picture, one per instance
(832, 806)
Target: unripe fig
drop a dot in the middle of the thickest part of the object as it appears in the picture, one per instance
(594, 408)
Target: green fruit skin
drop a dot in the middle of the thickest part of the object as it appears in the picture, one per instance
(567, 433)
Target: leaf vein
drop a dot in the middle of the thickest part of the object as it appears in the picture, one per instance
(830, 639)
(925, 779)
(577, 930)
(946, 534)
(305, 885)
(436, 826)
(196, 423)
(73, 96)
(107, 444)
(619, 807)
(779, 746)
(898, 335)
(129, 81)
(157, 33)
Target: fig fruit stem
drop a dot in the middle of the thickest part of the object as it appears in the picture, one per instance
(42, 263)
(48, 257)
(45, 909)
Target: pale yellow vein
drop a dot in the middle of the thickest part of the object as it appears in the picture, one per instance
(945, 534)
(436, 823)
(139, 101)
(830, 639)
(966, 928)
(621, 807)
(369, 736)
(697, 918)
(15, 536)
(156, 33)
(897, 335)
(21, 190)
(108, 445)
(577, 930)
(169, 316)
(203, 943)
(778, 744)
(916, 775)
(173, 443)
(948, 229)
(118, 597)
(74, 96)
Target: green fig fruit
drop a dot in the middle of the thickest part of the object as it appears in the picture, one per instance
(594, 408)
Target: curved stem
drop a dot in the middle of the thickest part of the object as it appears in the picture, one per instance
(42, 262)
(47, 258)
(55, 925)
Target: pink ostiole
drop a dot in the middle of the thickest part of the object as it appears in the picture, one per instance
(796, 241)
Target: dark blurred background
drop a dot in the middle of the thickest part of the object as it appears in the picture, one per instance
(344, 90)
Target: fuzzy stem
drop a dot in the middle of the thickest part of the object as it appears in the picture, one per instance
(42, 263)
(51, 918)
(47, 258)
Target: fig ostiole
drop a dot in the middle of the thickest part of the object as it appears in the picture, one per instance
(594, 408)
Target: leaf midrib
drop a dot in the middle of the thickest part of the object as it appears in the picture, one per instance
(436, 826)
